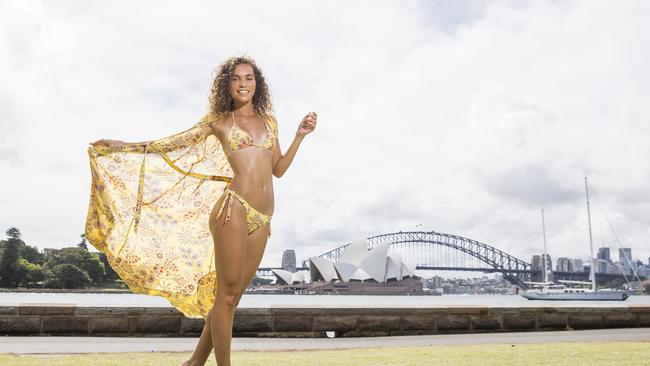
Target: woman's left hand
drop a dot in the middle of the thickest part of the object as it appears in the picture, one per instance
(307, 125)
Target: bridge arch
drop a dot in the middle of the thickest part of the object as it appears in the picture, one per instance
(513, 269)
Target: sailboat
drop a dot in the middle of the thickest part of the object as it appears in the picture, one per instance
(550, 291)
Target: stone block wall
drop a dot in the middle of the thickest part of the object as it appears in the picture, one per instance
(34, 319)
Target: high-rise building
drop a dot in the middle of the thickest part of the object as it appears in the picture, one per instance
(602, 266)
(604, 254)
(289, 260)
(625, 256)
(564, 264)
(436, 281)
(537, 264)
(578, 265)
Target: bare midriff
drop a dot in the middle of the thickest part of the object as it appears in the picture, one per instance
(252, 177)
(252, 168)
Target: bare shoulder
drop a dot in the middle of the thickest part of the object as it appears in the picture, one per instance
(214, 121)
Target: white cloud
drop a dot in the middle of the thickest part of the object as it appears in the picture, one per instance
(466, 119)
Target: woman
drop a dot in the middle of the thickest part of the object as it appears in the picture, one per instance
(239, 222)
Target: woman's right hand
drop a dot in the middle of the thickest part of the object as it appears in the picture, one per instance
(108, 143)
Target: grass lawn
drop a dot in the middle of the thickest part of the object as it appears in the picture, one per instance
(570, 354)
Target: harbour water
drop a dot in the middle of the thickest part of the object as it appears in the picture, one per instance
(269, 300)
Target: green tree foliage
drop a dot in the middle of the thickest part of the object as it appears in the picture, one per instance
(13, 233)
(69, 276)
(259, 281)
(109, 273)
(31, 254)
(29, 274)
(80, 258)
(9, 259)
(51, 281)
(24, 265)
(28, 252)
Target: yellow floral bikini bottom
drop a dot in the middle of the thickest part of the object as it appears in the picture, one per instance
(254, 218)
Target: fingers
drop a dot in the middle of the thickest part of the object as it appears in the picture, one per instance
(308, 123)
(311, 117)
(102, 142)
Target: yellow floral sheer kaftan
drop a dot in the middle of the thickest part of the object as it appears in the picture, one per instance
(149, 209)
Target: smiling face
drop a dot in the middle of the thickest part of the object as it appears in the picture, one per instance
(239, 82)
(242, 84)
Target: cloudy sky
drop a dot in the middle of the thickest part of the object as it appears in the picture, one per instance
(463, 117)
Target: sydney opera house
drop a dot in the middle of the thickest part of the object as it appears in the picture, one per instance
(358, 271)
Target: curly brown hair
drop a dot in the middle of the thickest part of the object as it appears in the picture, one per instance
(220, 99)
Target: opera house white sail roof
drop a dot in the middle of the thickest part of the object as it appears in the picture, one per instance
(359, 264)
(290, 278)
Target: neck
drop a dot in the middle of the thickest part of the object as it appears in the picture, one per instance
(245, 109)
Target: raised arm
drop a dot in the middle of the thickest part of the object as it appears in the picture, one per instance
(191, 136)
(281, 162)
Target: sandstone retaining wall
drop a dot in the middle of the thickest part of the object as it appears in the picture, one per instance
(33, 319)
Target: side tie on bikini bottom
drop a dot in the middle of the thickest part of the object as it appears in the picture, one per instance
(254, 218)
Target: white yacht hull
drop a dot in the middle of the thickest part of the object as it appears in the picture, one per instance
(582, 296)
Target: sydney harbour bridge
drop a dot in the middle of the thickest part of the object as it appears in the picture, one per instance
(447, 252)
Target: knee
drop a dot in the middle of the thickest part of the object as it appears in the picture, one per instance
(238, 298)
(231, 297)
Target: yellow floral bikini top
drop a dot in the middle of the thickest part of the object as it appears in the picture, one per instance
(240, 139)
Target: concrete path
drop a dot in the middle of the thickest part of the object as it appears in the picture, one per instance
(26, 345)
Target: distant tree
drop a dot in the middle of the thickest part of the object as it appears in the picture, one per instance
(28, 274)
(80, 258)
(9, 259)
(83, 245)
(71, 276)
(95, 268)
(31, 254)
(51, 281)
(259, 281)
(109, 273)
(13, 233)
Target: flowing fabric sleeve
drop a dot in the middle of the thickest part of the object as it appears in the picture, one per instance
(149, 209)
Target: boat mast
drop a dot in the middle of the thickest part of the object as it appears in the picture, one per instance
(545, 276)
(592, 273)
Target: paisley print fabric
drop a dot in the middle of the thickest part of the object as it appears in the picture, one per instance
(149, 209)
(240, 139)
(254, 218)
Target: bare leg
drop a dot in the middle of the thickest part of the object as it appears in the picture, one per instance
(230, 254)
(255, 250)
(203, 346)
